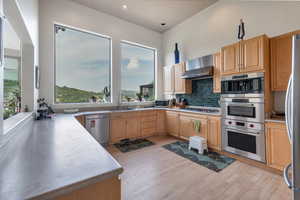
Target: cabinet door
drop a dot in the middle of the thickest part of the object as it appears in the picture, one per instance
(132, 128)
(217, 73)
(182, 86)
(214, 133)
(230, 59)
(187, 128)
(117, 130)
(253, 51)
(169, 80)
(281, 61)
(172, 123)
(161, 121)
(278, 146)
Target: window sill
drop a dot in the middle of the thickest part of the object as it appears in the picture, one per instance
(13, 122)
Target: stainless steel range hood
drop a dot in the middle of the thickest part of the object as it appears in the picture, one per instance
(199, 68)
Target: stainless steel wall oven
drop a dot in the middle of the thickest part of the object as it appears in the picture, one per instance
(242, 104)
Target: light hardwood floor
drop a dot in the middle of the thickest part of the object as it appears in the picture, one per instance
(153, 173)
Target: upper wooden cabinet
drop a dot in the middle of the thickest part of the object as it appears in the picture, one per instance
(214, 133)
(281, 60)
(217, 73)
(277, 145)
(254, 54)
(181, 86)
(230, 57)
(169, 80)
(250, 55)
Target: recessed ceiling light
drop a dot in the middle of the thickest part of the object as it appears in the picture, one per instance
(124, 7)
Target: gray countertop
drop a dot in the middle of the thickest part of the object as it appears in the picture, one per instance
(275, 120)
(154, 108)
(52, 157)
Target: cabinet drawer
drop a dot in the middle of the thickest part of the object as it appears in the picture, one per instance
(148, 131)
(148, 113)
(125, 115)
(148, 124)
(149, 118)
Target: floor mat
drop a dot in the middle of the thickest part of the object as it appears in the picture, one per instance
(210, 160)
(130, 145)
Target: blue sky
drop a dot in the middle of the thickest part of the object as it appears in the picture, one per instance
(82, 61)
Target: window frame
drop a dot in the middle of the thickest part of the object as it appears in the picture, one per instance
(154, 70)
(110, 68)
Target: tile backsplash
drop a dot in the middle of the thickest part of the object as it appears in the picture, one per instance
(202, 94)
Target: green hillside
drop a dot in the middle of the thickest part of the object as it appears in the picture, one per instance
(72, 95)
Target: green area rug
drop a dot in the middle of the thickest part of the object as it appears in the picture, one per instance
(130, 145)
(210, 160)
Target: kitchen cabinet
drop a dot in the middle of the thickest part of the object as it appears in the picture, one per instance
(254, 54)
(161, 121)
(107, 189)
(172, 122)
(187, 129)
(132, 128)
(214, 133)
(246, 56)
(169, 80)
(230, 59)
(117, 129)
(278, 148)
(148, 125)
(181, 86)
(281, 60)
(81, 119)
(217, 73)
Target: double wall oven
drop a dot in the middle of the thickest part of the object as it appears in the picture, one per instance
(242, 103)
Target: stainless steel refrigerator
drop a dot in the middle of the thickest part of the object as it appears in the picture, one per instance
(292, 109)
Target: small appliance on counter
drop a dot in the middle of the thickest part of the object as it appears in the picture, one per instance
(161, 103)
(44, 111)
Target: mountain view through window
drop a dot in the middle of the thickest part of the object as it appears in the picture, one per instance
(83, 67)
(137, 73)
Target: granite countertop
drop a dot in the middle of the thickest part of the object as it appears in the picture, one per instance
(52, 157)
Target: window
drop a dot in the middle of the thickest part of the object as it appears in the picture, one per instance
(11, 72)
(83, 66)
(12, 88)
(137, 73)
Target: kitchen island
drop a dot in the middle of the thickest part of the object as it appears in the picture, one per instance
(57, 159)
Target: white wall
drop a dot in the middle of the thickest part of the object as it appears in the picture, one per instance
(23, 16)
(1, 85)
(30, 12)
(75, 15)
(216, 26)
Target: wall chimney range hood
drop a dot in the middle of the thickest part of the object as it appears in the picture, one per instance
(199, 68)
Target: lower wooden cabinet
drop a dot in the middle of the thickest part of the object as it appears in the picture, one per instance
(132, 128)
(172, 122)
(214, 133)
(161, 123)
(187, 126)
(81, 119)
(117, 130)
(277, 145)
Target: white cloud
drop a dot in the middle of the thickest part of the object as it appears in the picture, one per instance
(133, 63)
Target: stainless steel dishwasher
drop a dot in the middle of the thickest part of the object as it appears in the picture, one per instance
(98, 126)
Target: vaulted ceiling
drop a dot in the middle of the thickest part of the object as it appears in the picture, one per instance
(150, 13)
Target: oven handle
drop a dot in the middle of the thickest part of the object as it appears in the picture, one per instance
(241, 104)
(243, 132)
